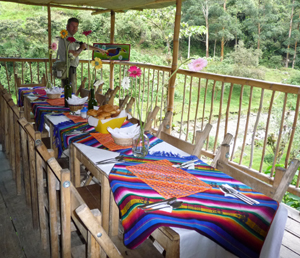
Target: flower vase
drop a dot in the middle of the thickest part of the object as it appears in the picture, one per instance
(67, 92)
(140, 145)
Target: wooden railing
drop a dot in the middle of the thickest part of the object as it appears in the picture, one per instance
(262, 116)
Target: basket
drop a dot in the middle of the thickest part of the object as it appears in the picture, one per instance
(122, 141)
(74, 108)
(53, 96)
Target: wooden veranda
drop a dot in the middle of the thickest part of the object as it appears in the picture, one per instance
(193, 98)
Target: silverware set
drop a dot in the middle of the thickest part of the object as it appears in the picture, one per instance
(229, 190)
(172, 202)
(111, 160)
(186, 164)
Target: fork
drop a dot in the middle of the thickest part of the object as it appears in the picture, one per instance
(236, 194)
(111, 160)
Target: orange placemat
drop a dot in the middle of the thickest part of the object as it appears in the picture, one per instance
(56, 102)
(168, 181)
(108, 141)
(76, 119)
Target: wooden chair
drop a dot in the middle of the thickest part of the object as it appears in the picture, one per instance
(129, 105)
(11, 135)
(193, 149)
(112, 247)
(227, 139)
(282, 179)
(70, 200)
(19, 84)
(81, 90)
(123, 102)
(28, 138)
(108, 98)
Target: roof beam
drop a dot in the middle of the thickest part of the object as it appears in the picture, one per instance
(59, 6)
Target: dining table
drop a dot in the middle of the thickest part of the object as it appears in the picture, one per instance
(209, 223)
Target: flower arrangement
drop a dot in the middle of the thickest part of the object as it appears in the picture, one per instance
(97, 63)
(196, 65)
(64, 34)
(87, 33)
(140, 141)
(52, 49)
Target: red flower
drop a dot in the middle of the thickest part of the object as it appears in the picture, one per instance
(86, 33)
(134, 71)
(71, 39)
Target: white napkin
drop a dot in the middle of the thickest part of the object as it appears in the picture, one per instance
(74, 100)
(54, 90)
(124, 133)
(96, 155)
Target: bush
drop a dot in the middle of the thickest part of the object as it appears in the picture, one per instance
(275, 62)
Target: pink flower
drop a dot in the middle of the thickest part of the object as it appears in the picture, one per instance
(71, 39)
(53, 46)
(86, 33)
(197, 65)
(134, 71)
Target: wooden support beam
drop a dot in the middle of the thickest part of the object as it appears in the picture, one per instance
(112, 37)
(171, 91)
(49, 40)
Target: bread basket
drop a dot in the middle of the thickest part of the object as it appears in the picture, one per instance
(74, 108)
(53, 96)
(122, 141)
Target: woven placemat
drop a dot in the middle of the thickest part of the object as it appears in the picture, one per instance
(76, 119)
(108, 141)
(167, 180)
(56, 102)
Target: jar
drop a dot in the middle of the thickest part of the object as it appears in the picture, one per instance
(83, 112)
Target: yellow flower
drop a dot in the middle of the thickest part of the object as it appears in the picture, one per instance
(63, 34)
(97, 63)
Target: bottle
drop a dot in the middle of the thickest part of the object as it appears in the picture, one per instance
(92, 101)
(68, 92)
(83, 112)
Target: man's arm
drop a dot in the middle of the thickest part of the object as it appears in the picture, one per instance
(78, 51)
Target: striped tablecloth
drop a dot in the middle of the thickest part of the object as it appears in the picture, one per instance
(236, 226)
(64, 137)
(25, 91)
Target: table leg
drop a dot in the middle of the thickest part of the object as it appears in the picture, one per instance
(105, 202)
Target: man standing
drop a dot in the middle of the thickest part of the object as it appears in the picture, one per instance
(74, 50)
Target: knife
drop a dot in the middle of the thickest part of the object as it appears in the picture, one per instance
(151, 205)
(175, 206)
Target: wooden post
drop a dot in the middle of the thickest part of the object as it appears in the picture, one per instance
(65, 184)
(17, 150)
(112, 35)
(49, 40)
(25, 164)
(93, 246)
(40, 190)
(171, 88)
(52, 211)
(11, 138)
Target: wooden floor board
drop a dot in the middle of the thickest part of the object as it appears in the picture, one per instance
(18, 223)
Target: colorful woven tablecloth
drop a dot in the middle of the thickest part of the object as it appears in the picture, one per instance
(236, 226)
(64, 137)
(40, 109)
(25, 91)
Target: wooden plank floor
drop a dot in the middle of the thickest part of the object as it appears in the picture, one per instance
(19, 239)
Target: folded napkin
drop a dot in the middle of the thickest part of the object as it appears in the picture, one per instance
(125, 133)
(40, 92)
(54, 90)
(74, 100)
